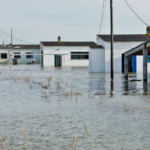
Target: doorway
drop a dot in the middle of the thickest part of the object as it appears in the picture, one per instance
(134, 64)
(58, 60)
(132, 67)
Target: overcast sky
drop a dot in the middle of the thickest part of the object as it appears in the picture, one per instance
(73, 20)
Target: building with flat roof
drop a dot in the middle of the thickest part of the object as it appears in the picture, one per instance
(122, 43)
(66, 54)
(23, 54)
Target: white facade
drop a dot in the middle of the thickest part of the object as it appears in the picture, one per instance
(140, 65)
(23, 53)
(49, 53)
(119, 49)
(97, 60)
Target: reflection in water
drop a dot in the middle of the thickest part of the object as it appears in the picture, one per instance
(97, 83)
(112, 85)
(145, 87)
(112, 88)
(126, 85)
(68, 101)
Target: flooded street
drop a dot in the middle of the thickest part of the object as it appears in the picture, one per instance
(52, 105)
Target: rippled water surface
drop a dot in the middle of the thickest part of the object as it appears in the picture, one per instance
(48, 107)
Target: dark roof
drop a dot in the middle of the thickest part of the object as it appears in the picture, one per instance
(126, 38)
(17, 46)
(96, 46)
(91, 44)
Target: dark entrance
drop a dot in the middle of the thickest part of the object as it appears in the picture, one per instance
(58, 60)
(122, 63)
(130, 68)
(131, 64)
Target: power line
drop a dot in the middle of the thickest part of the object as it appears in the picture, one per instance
(15, 38)
(135, 13)
(102, 16)
(4, 39)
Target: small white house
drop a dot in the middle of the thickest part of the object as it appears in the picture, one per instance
(122, 43)
(24, 54)
(66, 54)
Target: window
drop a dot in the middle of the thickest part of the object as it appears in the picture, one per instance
(79, 55)
(3, 55)
(148, 59)
(17, 55)
(29, 55)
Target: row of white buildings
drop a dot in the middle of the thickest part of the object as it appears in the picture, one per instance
(96, 56)
(24, 54)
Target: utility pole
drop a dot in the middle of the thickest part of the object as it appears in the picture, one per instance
(112, 40)
(11, 46)
(11, 38)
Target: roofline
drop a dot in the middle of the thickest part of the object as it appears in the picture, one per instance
(19, 44)
(98, 35)
(42, 42)
(98, 47)
(22, 46)
(121, 34)
(139, 46)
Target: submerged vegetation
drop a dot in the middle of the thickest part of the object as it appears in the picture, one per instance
(8, 142)
(25, 141)
(63, 102)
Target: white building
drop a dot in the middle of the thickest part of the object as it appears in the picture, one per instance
(122, 43)
(66, 54)
(24, 54)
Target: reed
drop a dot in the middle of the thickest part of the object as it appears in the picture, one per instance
(66, 94)
(26, 79)
(23, 139)
(71, 92)
(74, 142)
(126, 108)
(3, 143)
(49, 80)
(87, 135)
(78, 93)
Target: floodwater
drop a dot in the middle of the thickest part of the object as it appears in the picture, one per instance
(45, 108)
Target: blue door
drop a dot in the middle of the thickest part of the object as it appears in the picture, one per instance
(134, 64)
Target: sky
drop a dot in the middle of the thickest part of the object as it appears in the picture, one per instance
(73, 20)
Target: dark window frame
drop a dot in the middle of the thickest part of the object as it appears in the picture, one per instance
(17, 56)
(2, 54)
(29, 55)
(79, 55)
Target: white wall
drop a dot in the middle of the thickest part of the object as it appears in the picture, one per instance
(100, 41)
(23, 59)
(97, 60)
(119, 49)
(65, 51)
(140, 65)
